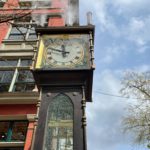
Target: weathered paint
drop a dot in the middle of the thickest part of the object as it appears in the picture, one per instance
(17, 109)
(3, 31)
(56, 21)
(29, 136)
(40, 55)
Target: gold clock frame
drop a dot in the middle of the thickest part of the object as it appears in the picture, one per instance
(81, 55)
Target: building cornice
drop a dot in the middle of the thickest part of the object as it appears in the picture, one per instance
(29, 117)
(19, 98)
(11, 144)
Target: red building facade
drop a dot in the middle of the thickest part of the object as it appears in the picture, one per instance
(19, 95)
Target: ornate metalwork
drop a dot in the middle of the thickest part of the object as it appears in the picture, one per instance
(84, 117)
(92, 50)
(59, 125)
(36, 118)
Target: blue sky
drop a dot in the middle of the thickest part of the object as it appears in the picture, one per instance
(122, 43)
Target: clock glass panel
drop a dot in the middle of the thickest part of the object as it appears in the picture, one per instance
(66, 50)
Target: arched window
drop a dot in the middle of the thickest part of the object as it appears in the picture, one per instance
(59, 125)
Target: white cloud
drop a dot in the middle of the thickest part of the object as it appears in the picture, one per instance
(143, 49)
(121, 21)
(112, 52)
(131, 7)
(142, 68)
(105, 114)
(101, 15)
(138, 31)
(134, 26)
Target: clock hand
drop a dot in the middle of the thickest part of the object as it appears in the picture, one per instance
(58, 50)
(63, 51)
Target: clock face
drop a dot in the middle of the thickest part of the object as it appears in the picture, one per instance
(65, 50)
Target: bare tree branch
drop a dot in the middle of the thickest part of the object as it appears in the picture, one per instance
(17, 16)
(138, 118)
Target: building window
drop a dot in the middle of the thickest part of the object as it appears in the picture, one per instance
(16, 76)
(59, 125)
(27, 4)
(18, 33)
(23, 29)
(22, 32)
(2, 2)
(13, 131)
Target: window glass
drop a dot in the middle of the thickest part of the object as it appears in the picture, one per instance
(59, 126)
(8, 62)
(23, 19)
(25, 4)
(25, 76)
(17, 33)
(21, 32)
(25, 81)
(20, 87)
(6, 76)
(29, 86)
(4, 126)
(26, 62)
(32, 34)
(4, 87)
(2, 4)
(19, 131)
(35, 4)
(32, 30)
(18, 29)
(13, 131)
(17, 36)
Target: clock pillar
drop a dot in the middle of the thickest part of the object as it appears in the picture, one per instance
(65, 84)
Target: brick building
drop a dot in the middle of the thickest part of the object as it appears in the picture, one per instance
(46, 75)
(18, 46)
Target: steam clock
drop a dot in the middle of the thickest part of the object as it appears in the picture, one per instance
(64, 74)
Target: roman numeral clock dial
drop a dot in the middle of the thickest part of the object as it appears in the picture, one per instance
(65, 51)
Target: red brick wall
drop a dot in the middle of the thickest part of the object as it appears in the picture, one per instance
(3, 31)
(56, 21)
(57, 5)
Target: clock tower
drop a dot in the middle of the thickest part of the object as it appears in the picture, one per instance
(63, 72)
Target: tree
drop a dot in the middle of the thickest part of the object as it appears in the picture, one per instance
(10, 13)
(137, 85)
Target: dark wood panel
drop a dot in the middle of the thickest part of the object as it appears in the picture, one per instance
(66, 78)
(48, 94)
(66, 29)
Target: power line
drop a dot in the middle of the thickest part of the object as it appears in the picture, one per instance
(118, 96)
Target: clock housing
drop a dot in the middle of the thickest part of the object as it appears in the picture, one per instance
(66, 49)
(65, 58)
